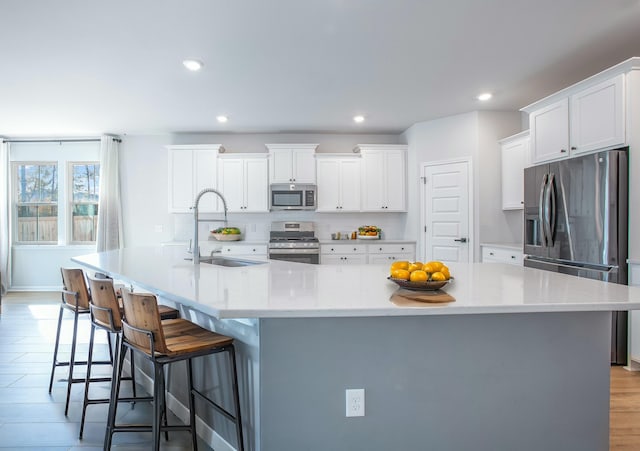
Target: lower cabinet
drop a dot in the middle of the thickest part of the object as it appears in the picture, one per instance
(388, 253)
(498, 254)
(335, 254)
(245, 250)
(343, 254)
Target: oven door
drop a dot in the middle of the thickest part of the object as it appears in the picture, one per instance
(310, 256)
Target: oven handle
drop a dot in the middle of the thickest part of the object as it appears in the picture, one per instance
(282, 251)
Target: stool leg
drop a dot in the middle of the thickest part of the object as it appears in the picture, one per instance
(236, 397)
(133, 375)
(158, 403)
(110, 348)
(87, 380)
(72, 360)
(115, 392)
(55, 348)
(192, 406)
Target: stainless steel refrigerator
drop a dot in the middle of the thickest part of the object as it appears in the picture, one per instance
(575, 222)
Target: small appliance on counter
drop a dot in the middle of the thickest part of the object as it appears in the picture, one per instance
(294, 241)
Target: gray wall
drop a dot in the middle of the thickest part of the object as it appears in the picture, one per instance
(533, 382)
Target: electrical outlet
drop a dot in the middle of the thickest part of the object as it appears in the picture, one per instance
(355, 402)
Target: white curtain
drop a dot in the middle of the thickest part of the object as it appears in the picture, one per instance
(5, 202)
(109, 233)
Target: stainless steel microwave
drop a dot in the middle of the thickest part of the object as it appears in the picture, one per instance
(291, 196)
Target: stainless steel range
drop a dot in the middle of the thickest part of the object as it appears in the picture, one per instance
(294, 242)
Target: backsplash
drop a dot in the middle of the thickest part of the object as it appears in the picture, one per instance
(256, 226)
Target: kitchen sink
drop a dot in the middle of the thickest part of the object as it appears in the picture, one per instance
(226, 261)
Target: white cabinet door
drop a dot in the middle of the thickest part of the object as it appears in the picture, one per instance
(231, 182)
(384, 178)
(597, 116)
(515, 151)
(549, 128)
(338, 184)
(191, 169)
(292, 163)
(256, 186)
(501, 255)
(244, 184)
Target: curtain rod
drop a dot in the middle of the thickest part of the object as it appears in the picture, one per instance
(79, 140)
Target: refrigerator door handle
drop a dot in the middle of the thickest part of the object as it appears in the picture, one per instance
(541, 217)
(551, 203)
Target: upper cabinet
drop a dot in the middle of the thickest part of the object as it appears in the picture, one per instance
(515, 157)
(598, 116)
(338, 183)
(292, 163)
(191, 169)
(243, 181)
(384, 177)
(586, 117)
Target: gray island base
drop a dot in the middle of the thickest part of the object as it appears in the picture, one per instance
(510, 367)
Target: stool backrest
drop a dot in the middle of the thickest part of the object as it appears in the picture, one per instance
(141, 313)
(74, 285)
(103, 295)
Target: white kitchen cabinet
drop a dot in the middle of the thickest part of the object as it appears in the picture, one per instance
(243, 180)
(549, 128)
(338, 183)
(502, 254)
(245, 250)
(191, 169)
(383, 177)
(292, 163)
(598, 116)
(515, 157)
(388, 253)
(343, 254)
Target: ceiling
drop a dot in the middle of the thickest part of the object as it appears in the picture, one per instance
(77, 67)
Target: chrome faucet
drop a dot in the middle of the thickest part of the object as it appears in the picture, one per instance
(195, 248)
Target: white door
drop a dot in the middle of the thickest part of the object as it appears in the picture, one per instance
(446, 212)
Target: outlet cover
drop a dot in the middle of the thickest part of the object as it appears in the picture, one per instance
(354, 402)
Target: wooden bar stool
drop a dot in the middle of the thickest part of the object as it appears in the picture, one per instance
(105, 315)
(75, 298)
(163, 343)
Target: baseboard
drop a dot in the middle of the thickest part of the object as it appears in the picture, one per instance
(211, 437)
(634, 365)
(36, 289)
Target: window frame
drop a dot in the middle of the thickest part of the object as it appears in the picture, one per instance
(17, 204)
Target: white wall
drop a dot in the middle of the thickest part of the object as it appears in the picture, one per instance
(472, 135)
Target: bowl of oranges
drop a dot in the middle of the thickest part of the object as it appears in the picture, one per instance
(420, 276)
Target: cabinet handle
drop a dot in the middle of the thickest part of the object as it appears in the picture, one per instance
(574, 148)
(513, 256)
(490, 253)
(402, 248)
(563, 150)
(380, 249)
(355, 249)
(332, 249)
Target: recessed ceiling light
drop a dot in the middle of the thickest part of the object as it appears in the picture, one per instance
(358, 119)
(193, 65)
(222, 119)
(484, 96)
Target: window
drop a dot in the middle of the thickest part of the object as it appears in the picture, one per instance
(85, 182)
(37, 203)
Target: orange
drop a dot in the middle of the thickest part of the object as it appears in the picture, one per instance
(437, 266)
(438, 276)
(445, 270)
(418, 276)
(415, 266)
(400, 274)
(400, 264)
(428, 267)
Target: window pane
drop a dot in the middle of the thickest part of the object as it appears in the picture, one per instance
(85, 222)
(86, 181)
(37, 183)
(37, 223)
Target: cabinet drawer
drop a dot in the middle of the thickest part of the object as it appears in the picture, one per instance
(343, 249)
(378, 259)
(355, 259)
(245, 249)
(391, 248)
(493, 254)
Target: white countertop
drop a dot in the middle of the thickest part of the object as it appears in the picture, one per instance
(281, 289)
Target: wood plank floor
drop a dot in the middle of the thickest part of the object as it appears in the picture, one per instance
(625, 410)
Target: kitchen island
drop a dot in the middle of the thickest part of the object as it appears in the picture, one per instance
(520, 360)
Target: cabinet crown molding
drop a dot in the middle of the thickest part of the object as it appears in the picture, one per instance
(368, 147)
(522, 134)
(292, 146)
(620, 68)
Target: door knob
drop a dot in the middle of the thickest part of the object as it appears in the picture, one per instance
(461, 240)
